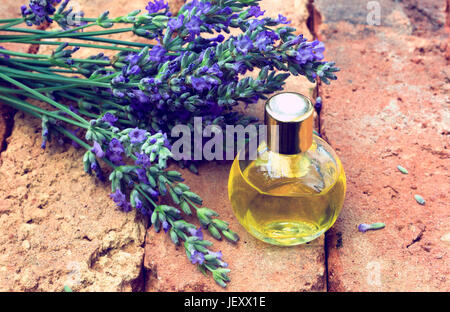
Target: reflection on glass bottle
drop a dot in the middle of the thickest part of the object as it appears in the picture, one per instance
(294, 190)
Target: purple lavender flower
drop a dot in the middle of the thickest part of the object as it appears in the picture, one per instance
(239, 67)
(255, 23)
(303, 56)
(73, 109)
(137, 136)
(97, 150)
(282, 19)
(309, 51)
(139, 204)
(134, 70)
(176, 23)
(39, 11)
(363, 227)
(74, 143)
(317, 49)
(109, 118)
(318, 105)
(196, 232)
(44, 143)
(197, 257)
(142, 160)
(227, 11)
(115, 146)
(193, 26)
(116, 158)
(141, 96)
(255, 11)
(217, 254)
(157, 54)
(5, 56)
(153, 193)
(98, 171)
(244, 44)
(156, 6)
(199, 84)
(265, 39)
(119, 79)
(132, 58)
(215, 70)
(142, 175)
(201, 7)
(165, 226)
(120, 199)
(297, 40)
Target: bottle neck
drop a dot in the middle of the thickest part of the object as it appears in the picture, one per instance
(289, 138)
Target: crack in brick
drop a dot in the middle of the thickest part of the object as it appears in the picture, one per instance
(7, 116)
(313, 23)
(417, 238)
(447, 11)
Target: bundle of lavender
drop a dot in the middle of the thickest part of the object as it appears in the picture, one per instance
(121, 109)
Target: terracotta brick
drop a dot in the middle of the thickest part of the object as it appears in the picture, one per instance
(389, 107)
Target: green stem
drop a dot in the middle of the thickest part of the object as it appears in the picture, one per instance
(37, 64)
(56, 88)
(52, 34)
(66, 34)
(22, 105)
(83, 45)
(83, 37)
(85, 93)
(29, 67)
(54, 77)
(91, 61)
(115, 41)
(9, 102)
(9, 20)
(13, 23)
(47, 70)
(29, 55)
(42, 56)
(140, 190)
(43, 98)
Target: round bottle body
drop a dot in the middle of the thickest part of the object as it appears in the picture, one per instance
(288, 199)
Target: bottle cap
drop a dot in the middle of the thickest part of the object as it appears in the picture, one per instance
(289, 118)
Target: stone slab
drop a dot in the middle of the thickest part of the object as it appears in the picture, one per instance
(57, 225)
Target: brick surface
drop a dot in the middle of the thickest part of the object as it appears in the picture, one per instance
(389, 107)
(255, 266)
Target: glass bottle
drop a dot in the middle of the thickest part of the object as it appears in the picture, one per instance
(294, 189)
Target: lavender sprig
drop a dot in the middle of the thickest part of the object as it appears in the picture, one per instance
(363, 227)
(39, 11)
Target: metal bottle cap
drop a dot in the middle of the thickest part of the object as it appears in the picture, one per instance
(289, 119)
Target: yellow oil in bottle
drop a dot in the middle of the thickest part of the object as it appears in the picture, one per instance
(288, 199)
